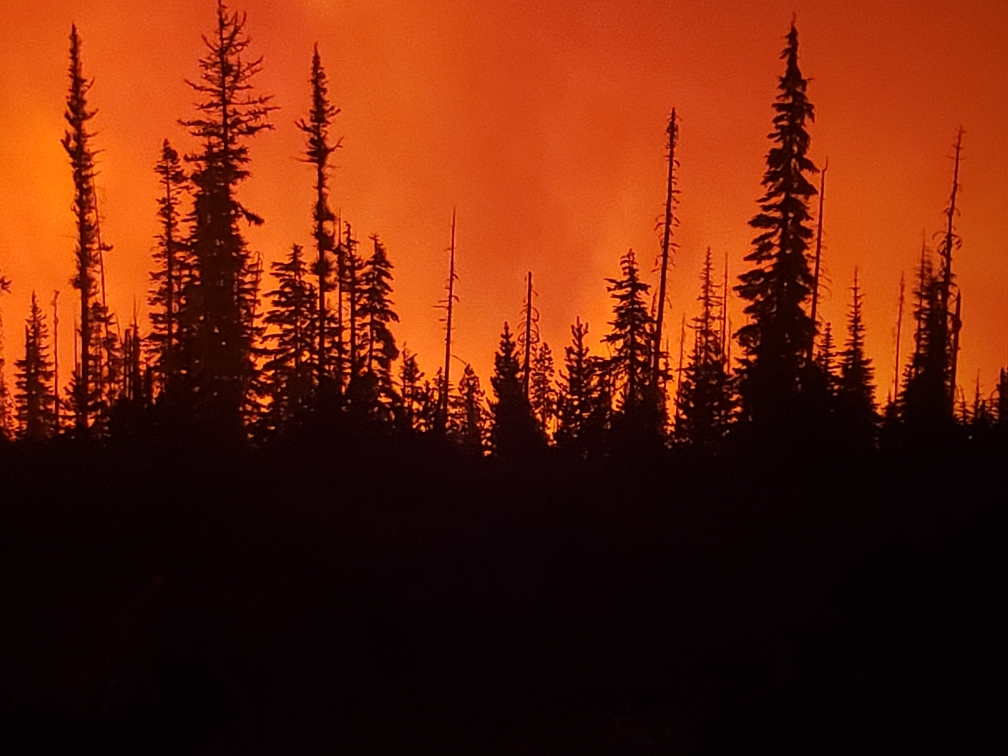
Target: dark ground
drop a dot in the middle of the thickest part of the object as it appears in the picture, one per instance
(160, 599)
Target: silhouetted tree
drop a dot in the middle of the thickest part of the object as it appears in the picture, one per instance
(173, 271)
(77, 143)
(672, 131)
(378, 315)
(34, 397)
(578, 393)
(354, 289)
(704, 398)
(410, 389)
(469, 420)
(776, 341)
(929, 393)
(825, 360)
(317, 152)
(542, 392)
(290, 338)
(224, 296)
(856, 389)
(631, 336)
(514, 428)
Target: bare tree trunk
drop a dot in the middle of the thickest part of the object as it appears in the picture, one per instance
(673, 132)
(818, 259)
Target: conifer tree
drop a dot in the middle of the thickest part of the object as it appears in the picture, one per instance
(8, 412)
(578, 394)
(468, 419)
(34, 397)
(704, 401)
(77, 144)
(223, 297)
(856, 389)
(929, 394)
(132, 390)
(290, 338)
(410, 389)
(355, 290)
(1002, 398)
(514, 428)
(777, 340)
(173, 271)
(377, 314)
(631, 336)
(826, 361)
(318, 150)
(542, 392)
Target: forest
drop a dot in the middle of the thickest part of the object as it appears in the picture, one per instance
(252, 522)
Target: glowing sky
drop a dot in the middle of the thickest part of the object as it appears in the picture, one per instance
(543, 122)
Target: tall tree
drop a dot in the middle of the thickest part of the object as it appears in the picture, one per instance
(77, 143)
(578, 393)
(34, 397)
(173, 270)
(670, 200)
(929, 394)
(224, 297)
(777, 338)
(468, 421)
(290, 338)
(444, 386)
(378, 315)
(856, 388)
(318, 150)
(704, 397)
(514, 428)
(632, 334)
(542, 392)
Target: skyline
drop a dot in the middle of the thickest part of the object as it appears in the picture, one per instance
(423, 134)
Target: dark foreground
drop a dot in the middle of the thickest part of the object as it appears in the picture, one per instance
(382, 596)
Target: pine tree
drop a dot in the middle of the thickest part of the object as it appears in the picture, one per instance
(410, 388)
(514, 429)
(317, 152)
(173, 271)
(468, 418)
(631, 336)
(8, 412)
(290, 338)
(856, 389)
(34, 397)
(355, 290)
(826, 361)
(77, 143)
(377, 314)
(777, 339)
(579, 395)
(929, 394)
(704, 401)
(542, 392)
(223, 298)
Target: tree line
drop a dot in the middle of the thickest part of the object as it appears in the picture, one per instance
(244, 352)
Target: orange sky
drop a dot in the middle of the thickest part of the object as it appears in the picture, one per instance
(544, 123)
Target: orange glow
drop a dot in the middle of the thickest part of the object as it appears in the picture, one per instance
(544, 124)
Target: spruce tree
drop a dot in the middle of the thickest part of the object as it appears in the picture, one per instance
(223, 298)
(377, 314)
(542, 392)
(173, 270)
(318, 150)
(856, 389)
(290, 338)
(514, 428)
(468, 418)
(825, 360)
(777, 340)
(410, 389)
(704, 401)
(77, 143)
(631, 336)
(578, 395)
(929, 394)
(34, 396)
